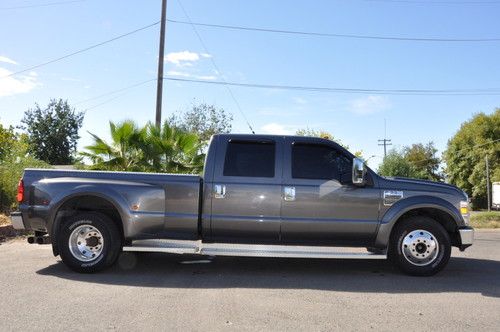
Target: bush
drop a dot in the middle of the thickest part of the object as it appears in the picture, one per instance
(12, 164)
(10, 173)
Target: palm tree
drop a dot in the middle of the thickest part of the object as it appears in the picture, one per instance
(168, 149)
(173, 150)
(123, 153)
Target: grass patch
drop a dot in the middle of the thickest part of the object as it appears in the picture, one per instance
(485, 219)
(4, 220)
(8, 232)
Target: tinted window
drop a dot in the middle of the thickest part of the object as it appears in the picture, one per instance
(314, 161)
(251, 159)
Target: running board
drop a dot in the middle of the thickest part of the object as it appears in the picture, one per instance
(249, 250)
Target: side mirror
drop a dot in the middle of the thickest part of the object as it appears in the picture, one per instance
(358, 172)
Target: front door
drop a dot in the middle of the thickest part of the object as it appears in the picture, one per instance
(246, 190)
(321, 205)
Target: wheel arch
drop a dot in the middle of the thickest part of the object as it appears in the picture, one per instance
(84, 202)
(436, 208)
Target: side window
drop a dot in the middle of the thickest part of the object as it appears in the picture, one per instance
(250, 159)
(322, 162)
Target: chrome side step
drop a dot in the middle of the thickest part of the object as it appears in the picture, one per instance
(249, 250)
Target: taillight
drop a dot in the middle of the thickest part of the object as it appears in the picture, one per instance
(20, 191)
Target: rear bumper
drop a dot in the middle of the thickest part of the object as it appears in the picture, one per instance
(17, 220)
(466, 237)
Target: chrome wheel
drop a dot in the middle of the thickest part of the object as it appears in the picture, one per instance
(420, 247)
(86, 243)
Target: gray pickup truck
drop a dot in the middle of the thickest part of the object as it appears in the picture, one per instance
(260, 195)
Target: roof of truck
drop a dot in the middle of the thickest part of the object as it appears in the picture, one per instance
(266, 136)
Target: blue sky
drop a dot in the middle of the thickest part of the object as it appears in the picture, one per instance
(29, 36)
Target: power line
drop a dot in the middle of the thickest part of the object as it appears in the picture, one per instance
(83, 49)
(114, 91)
(104, 102)
(385, 142)
(335, 35)
(42, 4)
(216, 68)
(437, 2)
(456, 92)
(122, 90)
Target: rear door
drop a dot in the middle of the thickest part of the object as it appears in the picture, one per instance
(321, 205)
(246, 190)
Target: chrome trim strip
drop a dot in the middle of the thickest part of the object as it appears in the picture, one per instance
(250, 250)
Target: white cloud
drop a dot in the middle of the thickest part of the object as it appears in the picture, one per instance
(369, 105)
(188, 75)
(269, 110)
(277, 129)
(185, 58)
(70, 79)
(7, 60)
(299, 100)
(15, 85)
(178, 73)
(206, 77)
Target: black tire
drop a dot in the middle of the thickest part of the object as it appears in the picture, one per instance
(403, 232)
(109, 249)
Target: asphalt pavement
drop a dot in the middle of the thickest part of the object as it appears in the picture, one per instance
(149, 292)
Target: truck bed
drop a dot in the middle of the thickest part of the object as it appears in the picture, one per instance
(150, 204)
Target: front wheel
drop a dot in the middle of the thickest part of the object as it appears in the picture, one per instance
(89, 242)
(420, 246)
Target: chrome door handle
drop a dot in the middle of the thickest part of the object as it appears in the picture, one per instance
(219, 191)
(289, 193)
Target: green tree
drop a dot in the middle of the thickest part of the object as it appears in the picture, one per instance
(417, 161)
(204, 120)
(318, 133)
(466, 152)
(424, 161)
(395, 164)
(53, 132)
(326, 135)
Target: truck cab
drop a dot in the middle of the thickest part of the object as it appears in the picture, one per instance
(291, 190)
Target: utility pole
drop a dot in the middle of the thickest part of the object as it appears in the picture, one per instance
(159, 87)
(488, 182)
(385, 142)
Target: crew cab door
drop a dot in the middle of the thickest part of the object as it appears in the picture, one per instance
(320, 203)
(246, 189)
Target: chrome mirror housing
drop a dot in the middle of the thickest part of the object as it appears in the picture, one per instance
(358, 172)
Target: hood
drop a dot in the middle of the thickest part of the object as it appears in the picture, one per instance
(400, 183)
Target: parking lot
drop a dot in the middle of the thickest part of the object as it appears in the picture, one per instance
(160, 291)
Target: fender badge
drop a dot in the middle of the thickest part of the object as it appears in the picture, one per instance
(392, 196)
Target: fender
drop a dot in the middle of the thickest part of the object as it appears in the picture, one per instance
(390, 218)
(103, 192)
